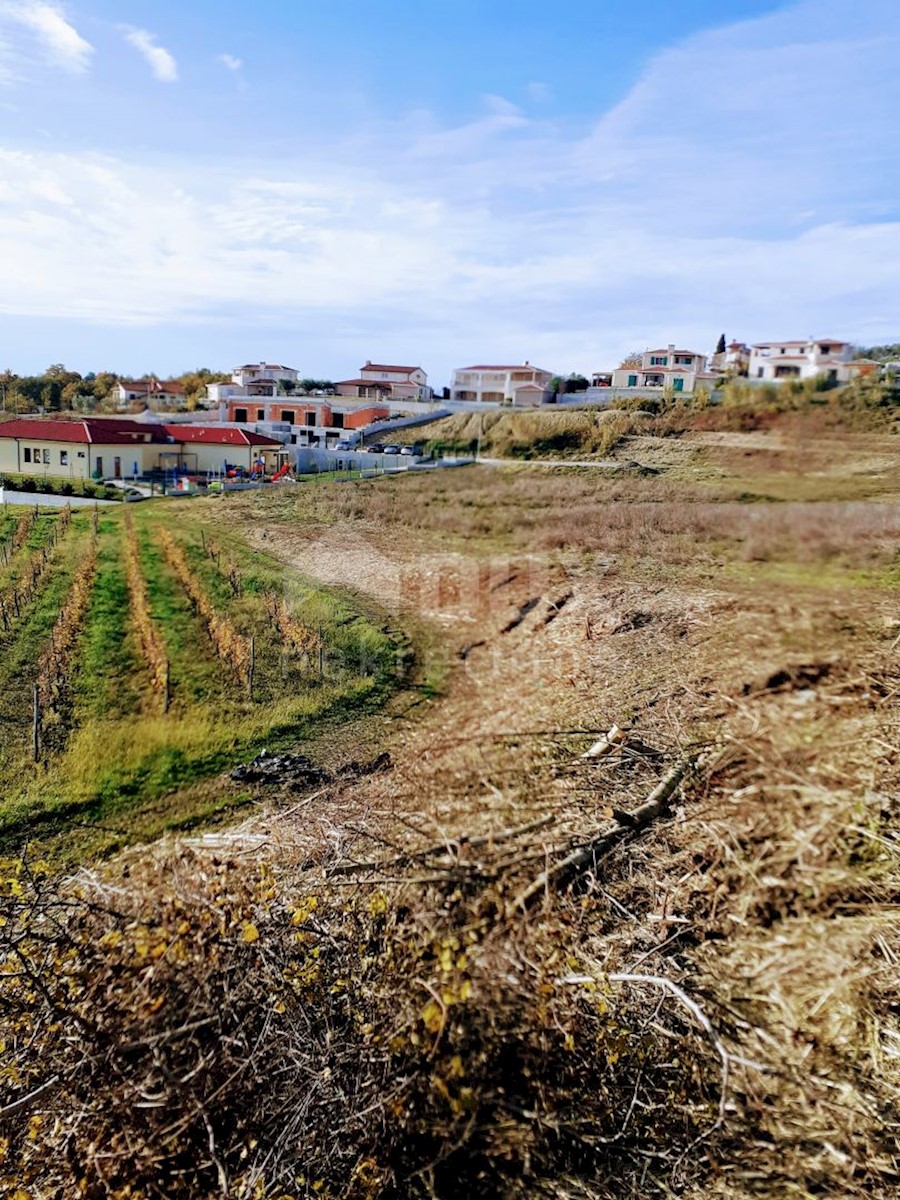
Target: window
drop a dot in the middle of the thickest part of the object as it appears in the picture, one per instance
(658, 360)
(683, 360)
(337, 420)
(47, 457)
(63, 458)
(310, 418)
(26, 453)
(260, 414)
(287, 415)
(240, 414)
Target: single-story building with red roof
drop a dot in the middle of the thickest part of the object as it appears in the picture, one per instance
(116, 448)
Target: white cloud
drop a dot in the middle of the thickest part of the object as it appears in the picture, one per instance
(231, 62)
(160, 61)
(731, 188)
(60, 41)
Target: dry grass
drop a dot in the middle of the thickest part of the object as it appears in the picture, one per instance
(650, 522)
(549, 433)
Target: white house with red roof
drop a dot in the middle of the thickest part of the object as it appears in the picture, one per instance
(733, 360)
(502, 384)
(670, 368)
(386, 381)
(253, 380)
(116, 448)
(777, 361)
(156, 394)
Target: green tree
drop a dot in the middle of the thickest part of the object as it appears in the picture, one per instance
(720, 345)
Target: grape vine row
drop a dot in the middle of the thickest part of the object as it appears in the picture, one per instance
(56, 660)
(149, 638)
(14, 600)
(231, 646)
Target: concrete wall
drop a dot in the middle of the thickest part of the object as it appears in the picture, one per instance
(309, 459)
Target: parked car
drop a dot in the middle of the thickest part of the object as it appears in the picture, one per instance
(344, 445)
(411, 451)
(391, 450)
(375, 448)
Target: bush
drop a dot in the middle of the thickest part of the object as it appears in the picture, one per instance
(67, 489)
(88, 489)
(28, 485)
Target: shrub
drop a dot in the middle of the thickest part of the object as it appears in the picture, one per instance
(88, 489)
(28, 485)
(67, 489)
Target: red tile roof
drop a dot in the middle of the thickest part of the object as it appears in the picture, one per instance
(112, 431)
(370, 366)
(212, 435)
(508, 367)
(384, 384)
(87, 431)
(805, 342)
(152, 386)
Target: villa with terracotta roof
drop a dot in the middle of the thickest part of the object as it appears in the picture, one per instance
(384, 381)
(155, 394)
(521, 384)
(777, 361)
(733, 360)
(115, 448)
(670, 368)
(253, 381)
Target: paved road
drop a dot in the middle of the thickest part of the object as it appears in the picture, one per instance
(45, 500)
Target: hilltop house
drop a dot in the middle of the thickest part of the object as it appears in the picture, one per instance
(253, 380)
(381, 381)
(777, 361)
(156, 394)
(677, 370)
(520, 384)
(733, 360)
(117, 448)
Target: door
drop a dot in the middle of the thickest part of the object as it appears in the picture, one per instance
(117, 467)
(678, 384)
(99, 469)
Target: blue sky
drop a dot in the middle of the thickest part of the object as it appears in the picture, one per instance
(442, 182)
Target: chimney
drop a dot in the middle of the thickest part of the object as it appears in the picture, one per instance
(671, 347)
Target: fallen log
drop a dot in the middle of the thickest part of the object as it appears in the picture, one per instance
(609, 742)
(588, 854)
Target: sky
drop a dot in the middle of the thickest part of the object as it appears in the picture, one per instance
(442, 182)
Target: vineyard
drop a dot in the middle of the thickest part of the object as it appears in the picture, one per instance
(140, 660)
